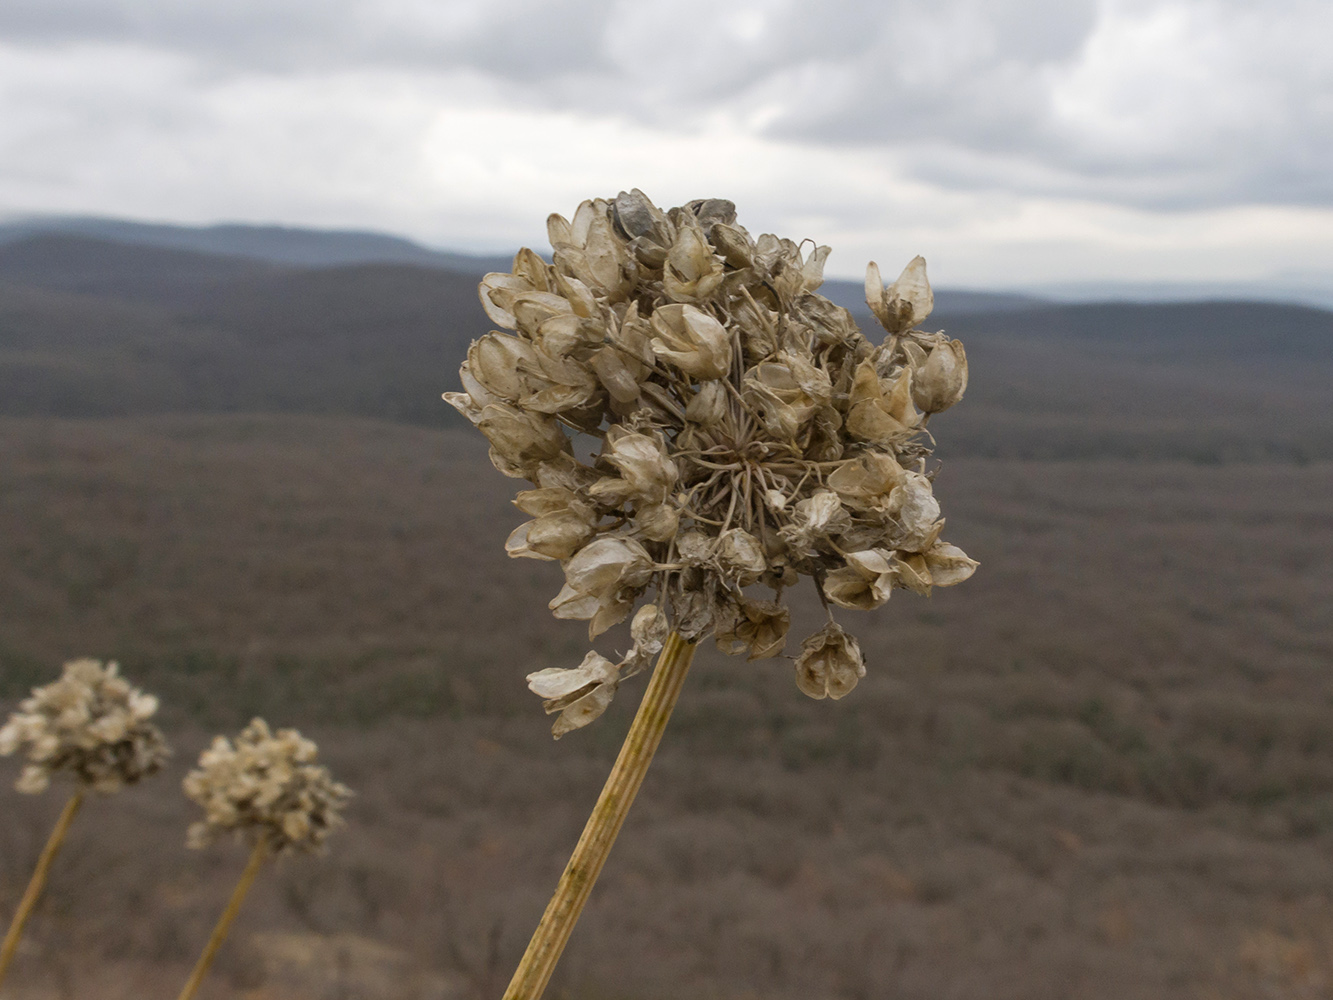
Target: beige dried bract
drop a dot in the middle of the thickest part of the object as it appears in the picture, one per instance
(90, 724)
(750, 434)
(267, 788)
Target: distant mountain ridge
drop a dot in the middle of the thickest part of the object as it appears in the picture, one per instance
(292, 246)
(283, 245)
(92, 328)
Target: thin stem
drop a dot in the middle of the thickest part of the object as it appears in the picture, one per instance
(548, 942)
(38, 881)
(257, 858)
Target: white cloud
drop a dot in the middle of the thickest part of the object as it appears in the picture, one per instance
(1011, 140)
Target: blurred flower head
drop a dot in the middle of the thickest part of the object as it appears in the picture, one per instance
(90, 724)
(749, 434)
(267, 788)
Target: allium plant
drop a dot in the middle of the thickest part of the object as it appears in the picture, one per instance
(92, 726)
(266, 789)
(749, 435)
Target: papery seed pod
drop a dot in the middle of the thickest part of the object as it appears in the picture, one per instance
(550, 537)
(649, 232)
(912, 573)
(830, 663)
(708, 405)
(917, 511)
(691, 272)
(734, 244)
(881, 412)
(497, 292)
(905, 303)
(813, 521)
(940, 382)
(864, 583)
(740, 557)
(522, 438)
(692, 340)
(948, 564)
(657, 522)
(643, 463)
(868, 482)
(759, 628)
(580, 694)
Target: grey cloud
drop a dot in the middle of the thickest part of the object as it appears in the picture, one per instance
(526, 40)
(1081, 98)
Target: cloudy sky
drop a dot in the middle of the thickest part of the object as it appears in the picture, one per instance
(1014, 142)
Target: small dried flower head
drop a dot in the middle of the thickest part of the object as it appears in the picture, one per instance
(90, 724)
(750, 435)
(267, 788)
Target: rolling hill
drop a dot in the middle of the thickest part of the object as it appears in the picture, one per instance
(91, 328)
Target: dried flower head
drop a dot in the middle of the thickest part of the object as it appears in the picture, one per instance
(266, 788)
(90, 724)
(749, 434)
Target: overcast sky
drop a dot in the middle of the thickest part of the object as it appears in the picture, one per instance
(1012, 142)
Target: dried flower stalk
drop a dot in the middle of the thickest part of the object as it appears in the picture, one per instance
(91, 725)
(594, 846)
(258, 855)
(749, 434)
(38, 882)
(267, 790)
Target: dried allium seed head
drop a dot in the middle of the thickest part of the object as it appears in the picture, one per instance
(266, 787)
(750, 434)
(90, 724)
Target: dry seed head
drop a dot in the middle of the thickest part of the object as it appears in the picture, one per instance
(266, 788)
(750, 434)
(90, 724)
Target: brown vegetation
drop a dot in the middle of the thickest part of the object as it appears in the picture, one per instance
(1103, 769)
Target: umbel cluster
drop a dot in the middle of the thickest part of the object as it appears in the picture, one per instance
(748, 433)
(92, 728)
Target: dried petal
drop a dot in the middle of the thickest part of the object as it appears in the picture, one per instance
(907, 302)
(691, 273)
(693, 341)
(556, 683)
(708, 405)
(643, 464)
(864, 583)
(760, 627)
(740, 556)
(949, 564)
(881, 413)
(942, 380)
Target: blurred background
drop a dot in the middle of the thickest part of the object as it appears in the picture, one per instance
(239, 246)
